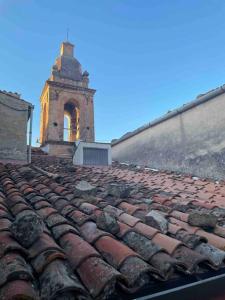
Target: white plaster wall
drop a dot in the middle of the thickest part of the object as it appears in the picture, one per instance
(191, 142)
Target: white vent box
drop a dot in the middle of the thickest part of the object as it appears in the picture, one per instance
(97, 154)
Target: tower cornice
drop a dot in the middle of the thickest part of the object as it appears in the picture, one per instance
(70, 86)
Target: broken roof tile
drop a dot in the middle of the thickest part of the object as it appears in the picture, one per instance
(191, 259)
(164, 263)
(216, 256)
(102, 285)
(64, 283)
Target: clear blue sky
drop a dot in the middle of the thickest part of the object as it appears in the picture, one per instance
(144, 57)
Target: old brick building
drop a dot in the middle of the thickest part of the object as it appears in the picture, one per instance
(14, 115)
(67, 109)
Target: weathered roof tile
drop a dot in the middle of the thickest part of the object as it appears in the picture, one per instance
(70, 242)
(105, 283)
(113, 251)
(18, 289)
(104, 235)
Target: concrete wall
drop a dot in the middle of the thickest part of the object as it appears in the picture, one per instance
(190, 142)
(13, 129)
(60, 149)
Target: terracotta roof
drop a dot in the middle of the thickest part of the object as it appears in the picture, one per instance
(58, 244)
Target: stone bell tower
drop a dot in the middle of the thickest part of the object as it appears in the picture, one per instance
(67, 108)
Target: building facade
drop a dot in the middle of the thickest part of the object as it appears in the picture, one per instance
(14, 116)
(67, 105)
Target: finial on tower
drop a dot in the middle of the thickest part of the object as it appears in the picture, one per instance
(67, 34)
(66, 49)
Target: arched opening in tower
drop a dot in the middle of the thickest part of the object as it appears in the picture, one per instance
(66, 128)
(71, 123)
(44, 124)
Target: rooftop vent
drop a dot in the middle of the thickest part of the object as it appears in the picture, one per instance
(92, 154)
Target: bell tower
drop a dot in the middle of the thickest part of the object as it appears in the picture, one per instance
(67, 108)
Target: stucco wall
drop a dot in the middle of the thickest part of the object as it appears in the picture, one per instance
(13, 129)
(61, 149)
(191, 142)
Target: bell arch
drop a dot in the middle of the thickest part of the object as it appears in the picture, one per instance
(71, 114)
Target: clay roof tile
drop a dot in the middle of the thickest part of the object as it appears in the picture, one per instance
(128, 219)
(105, 283)
(18, 289)
(113, 251)
(71, 241)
